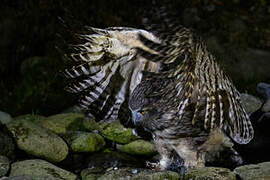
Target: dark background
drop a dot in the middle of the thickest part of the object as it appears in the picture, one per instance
(237, 31)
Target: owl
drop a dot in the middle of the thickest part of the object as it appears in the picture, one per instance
(164, 81)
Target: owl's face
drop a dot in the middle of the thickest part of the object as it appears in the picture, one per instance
(142, 116)
(142, 106)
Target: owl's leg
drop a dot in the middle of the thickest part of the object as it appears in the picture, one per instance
(187, 150)
(165, 152)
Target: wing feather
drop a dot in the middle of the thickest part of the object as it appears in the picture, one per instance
(177, 54)
(108, 70)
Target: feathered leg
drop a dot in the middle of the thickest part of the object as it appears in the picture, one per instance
(165, 151)
(190, 154)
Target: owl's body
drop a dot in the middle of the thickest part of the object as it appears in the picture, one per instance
(172, 85)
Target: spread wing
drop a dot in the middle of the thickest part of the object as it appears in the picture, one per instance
(199, 81)
(107, 69)
(111, 62)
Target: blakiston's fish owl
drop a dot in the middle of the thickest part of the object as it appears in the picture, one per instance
(168, 80)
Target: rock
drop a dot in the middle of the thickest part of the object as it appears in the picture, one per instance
(91, 173)
(250, 103)
(264, 90)
(38, 141)
(91, 125)
(24, 177)
(246, 67)
(117, 132)
(109, 159)
(138, 147)
(209, 173)
(254, 171)
(4, 165)
(225, 157)
(5, 118)
(61, 123)
(40, 170)
(84, 141)
(266, 106)
(139, 174)
(30, 117)
(7, 146)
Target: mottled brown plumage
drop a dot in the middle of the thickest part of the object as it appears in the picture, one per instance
(172, 85)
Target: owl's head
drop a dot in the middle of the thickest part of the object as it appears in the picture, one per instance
(142, 104)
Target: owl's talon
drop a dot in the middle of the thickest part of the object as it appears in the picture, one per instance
(153, 166)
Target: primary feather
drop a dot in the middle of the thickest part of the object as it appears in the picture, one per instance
(189, 105)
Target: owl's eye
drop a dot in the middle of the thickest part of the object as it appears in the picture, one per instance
(142, 112)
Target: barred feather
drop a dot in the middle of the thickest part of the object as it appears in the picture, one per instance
(114, 59)
(105, 56)
(223, 108)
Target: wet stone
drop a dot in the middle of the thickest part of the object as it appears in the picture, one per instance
(117, 133)
(138, 147)
(5, 118)
(61, 123)
(38, 141)
(84, 141)
(7, 146)
(141, 174)
(209, 173)
(39, 169)
(264, 90)
(23, 177)
(4, 165)
(254, 171)
(250, 103)
(30, 117)
(107, 160)
(91, 173)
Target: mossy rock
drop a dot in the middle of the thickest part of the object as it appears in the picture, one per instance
(84, 141)
(40, 170)
(4, 165)
(117, 132)
(250, 103)
(30, 117)
(254, 171)
(106, 160)
(209, 173)
(91, 173)
(139, 174)
(5, 118)
(7, 146)
(61, 123)
(138, 147)
(38, 141)
(91, 125)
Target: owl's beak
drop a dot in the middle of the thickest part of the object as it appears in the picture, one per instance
(136, 118)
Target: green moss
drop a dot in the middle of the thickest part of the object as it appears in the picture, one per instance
(254, 171)
(139, 147)
(19, 131)
(38, 141)
(84, 142)
(52, 172)
(30, 117)
(117, 132)
(88, 142)
(61, 123)
(91, 173)
(209, 173)
(142, 174)
(39, 169)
